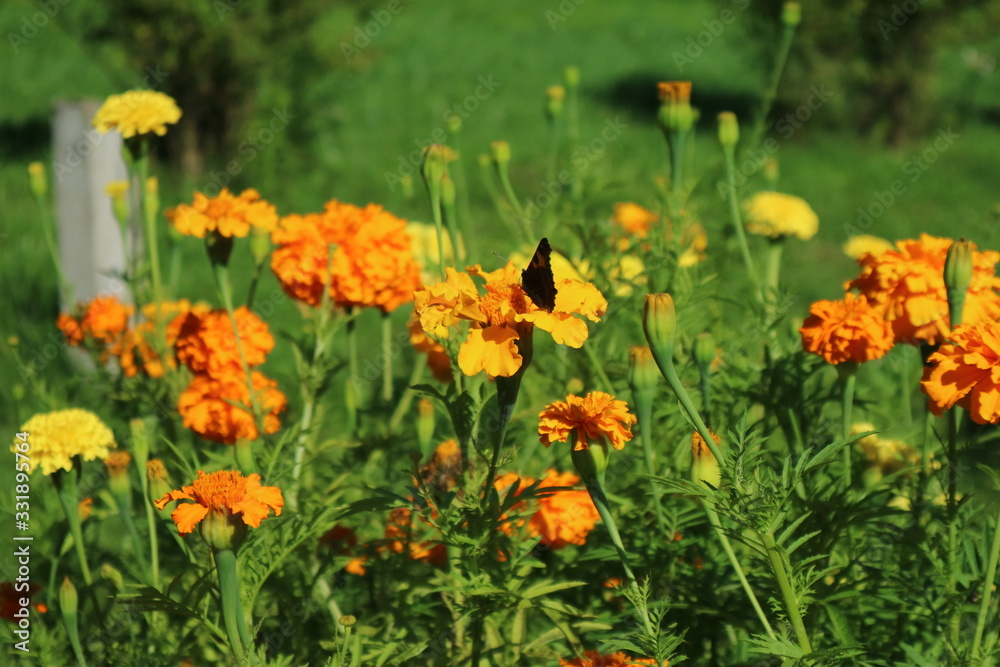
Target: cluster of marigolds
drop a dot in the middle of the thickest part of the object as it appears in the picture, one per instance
(475, 321)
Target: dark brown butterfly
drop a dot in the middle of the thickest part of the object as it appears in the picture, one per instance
(537, 280)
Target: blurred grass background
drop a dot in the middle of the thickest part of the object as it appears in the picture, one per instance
(353, 119)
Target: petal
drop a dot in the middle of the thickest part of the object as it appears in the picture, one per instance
(493, 349)
(187, 515)
(574, 296)
(565, 329)
(183, 494)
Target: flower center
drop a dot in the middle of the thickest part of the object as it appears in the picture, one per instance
(500, 301)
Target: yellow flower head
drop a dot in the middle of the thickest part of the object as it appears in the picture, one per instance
(56, 437)
(592, 417)
(499, 317)
(863, 244)
(116, 189)
(776, 214)
(137, 112)
(227, 214)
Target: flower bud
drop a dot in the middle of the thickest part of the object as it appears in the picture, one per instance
(675, 106)
(729, 129)
(112, 575)
(643, 375)
(406, 183)
(447, 190)
(117, 464)
(37, 179)
(139, 431)
(159, 481)
(555, 97)
(592, 461)
(425, 423)
(500, 152)
(659, 323)
(119, 206)
(704, 467)
(68, 600)
(222, 530)
(433, 167)
(260, 245)
(791, 14)
(454, 123)
(704, 350)
(574, 386)
(957, 277)
(347, 621)
(572, 76)
(771, 171)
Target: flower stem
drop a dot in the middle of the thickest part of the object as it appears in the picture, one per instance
(984, 604)
(736, 218)
(68, 499)
(232, 608)
(404, 402)
(773, 270)
(154, 546)
(668, 371)
(387, 354)
(787, 35)
(644, 413)
(954, 419)
(848, 379)
(787, 592)
(149, 218)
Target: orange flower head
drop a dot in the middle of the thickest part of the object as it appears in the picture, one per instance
(965, 371)
(592, 417)
(207, 406)
(221, 496)
(595, 659)
(846, 330)
(674, 91)
(403, 535)
(106, 319)
(206, 342)
(372, 262)
(561, 518)
(70, 328)
(634, 219)
(500, 316)
(225, 214)
(907, 284)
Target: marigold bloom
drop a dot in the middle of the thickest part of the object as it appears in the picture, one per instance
(965, 371)
(908, 284)
(207, 406)
(862, 244)
(846, 330)
(105, 319)
(595, 659)
(70, 327)
(225, 214)
(402, 533)
(137, 351)
(225, 493)
(437, 358)
(886, 455)
(592, 417)
(634, 219)
(776, 214)
(137, 112)
(372, 264)
(56, 437)
(503, 314)
(561, 518)
(206, 342)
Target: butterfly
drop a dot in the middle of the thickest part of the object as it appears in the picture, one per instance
(537, 280)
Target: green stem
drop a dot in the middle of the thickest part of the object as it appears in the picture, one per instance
(713, 519)
(847, 403)
(668, 371)
(387, 354)
(48, 225)
(954, 419)
(644, 414)
(70, 621)
(676, 143)
(767, 100)
(232, 607)
(154, 545)
(598, 368)
(352, 380)
(515, 203)
(773, 270)
(68, 499)
(125, 511)
(984, 604)
(787, 592)
(149, 218)
(737, 220)
(404, 402)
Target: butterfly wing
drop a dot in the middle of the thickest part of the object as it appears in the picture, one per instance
(537, 280)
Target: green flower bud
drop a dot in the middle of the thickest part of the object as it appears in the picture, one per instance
(37, 179)
(643, 374)
(68, 600)
(425, 423)
(958, 269)
(791, 14)
(112, 575)
(572, 77)
(704, 350)
(659, 323)
(729, 129)
(447, 190)
(704, 466)
(555, 97)
(500, 152)
(260, 245)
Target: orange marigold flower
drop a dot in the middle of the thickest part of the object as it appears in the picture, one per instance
(437, 358)
(595, 659)
(846, 330)
(403, 535)
(633, 218)
(592, 417)
(560, 518)
(70, 328)
(225, 493)
(372, 263)
(206, 342)
(965, 371)
(138, 353)
(226, 214)
(106, 319)
(503, 314)
(207, 406)
(908, 285)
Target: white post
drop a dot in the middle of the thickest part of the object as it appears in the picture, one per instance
(90, 244)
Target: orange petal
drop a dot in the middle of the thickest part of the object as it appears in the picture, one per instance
(186, 516)
(493, 349)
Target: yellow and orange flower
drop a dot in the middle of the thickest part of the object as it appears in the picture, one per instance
(104, 319)
(908, 285)
(137, 352)
(561, 518)
(206, 342)
(226, 214)
(595, 659)
(965, 371)
(847, 330)
(225, 493)
(499, 318)
(591, 418)
(437, 358)
(207, 406)
(634, 219)
(862, 244)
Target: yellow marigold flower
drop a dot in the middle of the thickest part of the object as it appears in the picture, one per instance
(776, 214)
(56, 437)
(37, 180)
(437, 358)
(907, 283)
(592, 417)
(503, 314)
(705, 467)
(634, 219)
(848, 330)
(225, 493)
(862, 244)
(225, 214)
(595, 659)
(137, 112)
